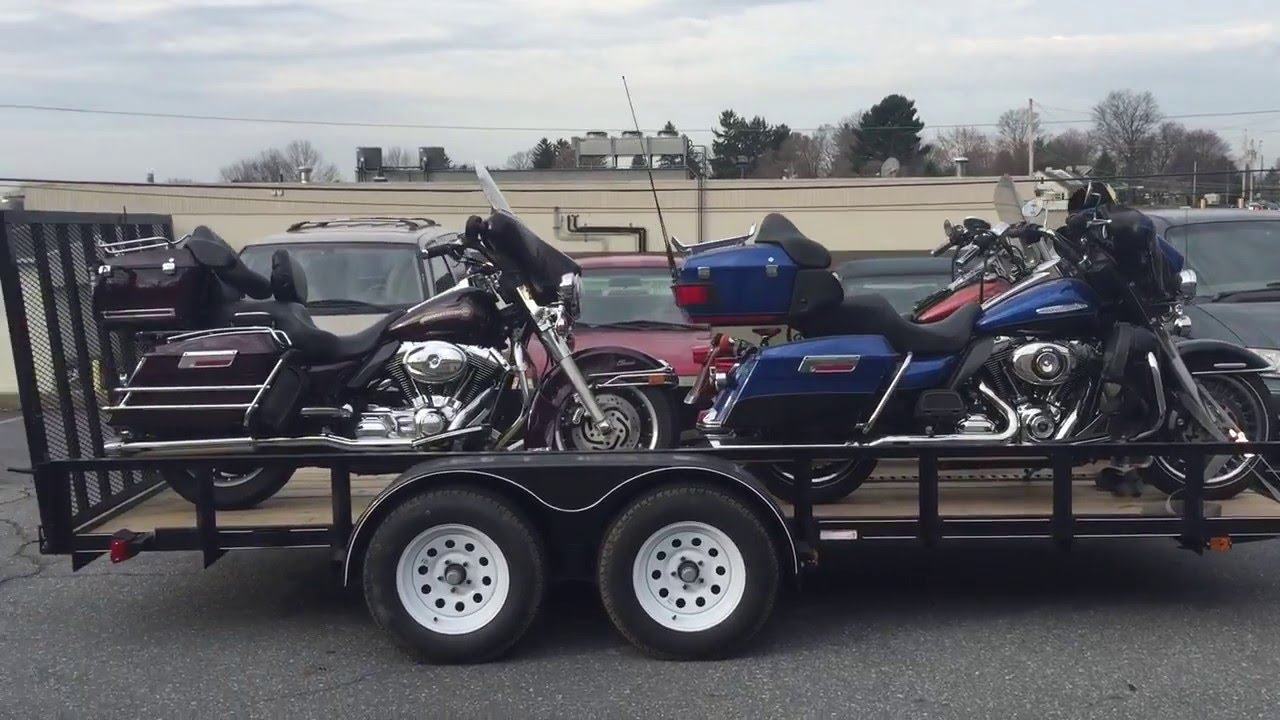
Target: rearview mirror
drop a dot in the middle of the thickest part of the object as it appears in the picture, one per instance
(1032, 209)
(947, 227)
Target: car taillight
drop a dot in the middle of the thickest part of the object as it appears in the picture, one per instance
(692, 295)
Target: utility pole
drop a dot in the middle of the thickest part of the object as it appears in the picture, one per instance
(1031, 137)
(1195, 171)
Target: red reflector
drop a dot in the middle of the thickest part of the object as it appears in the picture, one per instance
(124, 545)
(121, 550)
(692, 295)
(700, 355)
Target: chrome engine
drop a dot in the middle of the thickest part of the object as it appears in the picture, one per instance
(1044, 381)
(444, 387)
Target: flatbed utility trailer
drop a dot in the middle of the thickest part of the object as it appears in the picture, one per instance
(454, 553)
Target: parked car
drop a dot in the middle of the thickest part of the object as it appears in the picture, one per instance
(627, 301)
(1236, 257)
(903, 281)
(359, 269)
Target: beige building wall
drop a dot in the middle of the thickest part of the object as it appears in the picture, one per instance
(845, 214)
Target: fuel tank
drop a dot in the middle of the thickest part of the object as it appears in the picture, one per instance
(1062, 305)
(460, 314)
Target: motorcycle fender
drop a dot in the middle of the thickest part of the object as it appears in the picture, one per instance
(1217, 357)
(603, 367)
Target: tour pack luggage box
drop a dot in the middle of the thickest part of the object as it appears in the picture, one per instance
(154, 287)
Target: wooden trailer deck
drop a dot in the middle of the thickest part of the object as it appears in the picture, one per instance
(306, 501)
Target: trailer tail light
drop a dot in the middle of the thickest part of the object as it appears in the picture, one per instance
(125, 544)
(692, 294)
(700, 355)
(1220, 544)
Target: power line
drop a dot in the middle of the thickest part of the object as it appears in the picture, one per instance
(497, 128)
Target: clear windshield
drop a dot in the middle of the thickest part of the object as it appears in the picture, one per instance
(1008, 204)
(491, 191)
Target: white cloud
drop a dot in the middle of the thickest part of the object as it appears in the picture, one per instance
(556, 63)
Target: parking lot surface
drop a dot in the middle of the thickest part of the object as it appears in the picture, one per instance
(1134, 629)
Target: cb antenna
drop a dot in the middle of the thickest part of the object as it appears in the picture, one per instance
(648, 166)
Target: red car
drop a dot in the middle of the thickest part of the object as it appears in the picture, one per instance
(627, 301)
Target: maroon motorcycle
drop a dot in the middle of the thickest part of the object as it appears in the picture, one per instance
(251, 375)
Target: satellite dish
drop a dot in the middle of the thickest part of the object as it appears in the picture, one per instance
(890, 167)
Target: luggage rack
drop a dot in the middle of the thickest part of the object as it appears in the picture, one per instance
(132, 245)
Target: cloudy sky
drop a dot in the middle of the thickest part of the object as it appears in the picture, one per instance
(555, 64)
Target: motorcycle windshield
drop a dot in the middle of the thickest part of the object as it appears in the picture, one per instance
(522, 256)
(1008, 204)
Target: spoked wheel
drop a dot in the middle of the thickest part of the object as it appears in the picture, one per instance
(688, 572)
(1242, 399)
(832, 481)
(232, 489)
(641, 419)
(454, 576)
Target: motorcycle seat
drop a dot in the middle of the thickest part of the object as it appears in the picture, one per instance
(315, 345)
(777, 230)
(874, 315)
(289, 314)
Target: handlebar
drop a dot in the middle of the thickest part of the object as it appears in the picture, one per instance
(440, 250)
(941, 248)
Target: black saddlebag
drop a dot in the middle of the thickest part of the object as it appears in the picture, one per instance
(229, 382)
(162, 287)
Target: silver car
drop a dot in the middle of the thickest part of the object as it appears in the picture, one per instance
(359, 269)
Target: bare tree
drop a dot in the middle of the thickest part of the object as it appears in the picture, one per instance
(844, 142)
(1015, 127)
(522, 160)
(1164, 146)
(566, 157)
(967, 142)
(399, 157)
(799, 156)
(282, 165)
(1124, 125)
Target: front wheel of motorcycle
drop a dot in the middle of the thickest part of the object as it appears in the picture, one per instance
(643, 418)
(1244, 398)
(832, 480)
(232, 489)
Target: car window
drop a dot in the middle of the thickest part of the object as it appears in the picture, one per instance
(902, 291)
(387, 274)
(1230, 256)
(441, 274)
(614, 295)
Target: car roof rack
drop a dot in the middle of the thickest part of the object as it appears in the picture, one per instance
(417, 223)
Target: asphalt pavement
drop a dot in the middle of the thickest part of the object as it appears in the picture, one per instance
(1133, 629)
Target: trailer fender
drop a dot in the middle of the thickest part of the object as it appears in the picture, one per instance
(538, 481)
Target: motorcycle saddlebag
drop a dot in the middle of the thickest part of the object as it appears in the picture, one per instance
(155, 289)
(230, 382)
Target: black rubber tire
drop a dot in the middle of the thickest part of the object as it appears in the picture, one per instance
(505, 524)
(263, 485)
(831, 491)
(654, 511)
(1158, 477)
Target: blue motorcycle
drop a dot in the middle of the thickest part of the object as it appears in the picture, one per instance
(1079, 350)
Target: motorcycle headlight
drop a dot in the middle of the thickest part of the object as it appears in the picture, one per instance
(570, 294)
(1272, 357)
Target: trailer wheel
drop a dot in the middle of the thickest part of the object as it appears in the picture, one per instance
(688, 573)
(455, 576)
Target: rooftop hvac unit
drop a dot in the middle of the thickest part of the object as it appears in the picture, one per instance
(431, 158)
(369, 158)
(628, 145)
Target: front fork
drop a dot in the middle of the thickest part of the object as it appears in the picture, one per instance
(563, 356)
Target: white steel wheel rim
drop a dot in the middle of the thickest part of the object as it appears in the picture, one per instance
(453, 579)
(689, 576)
